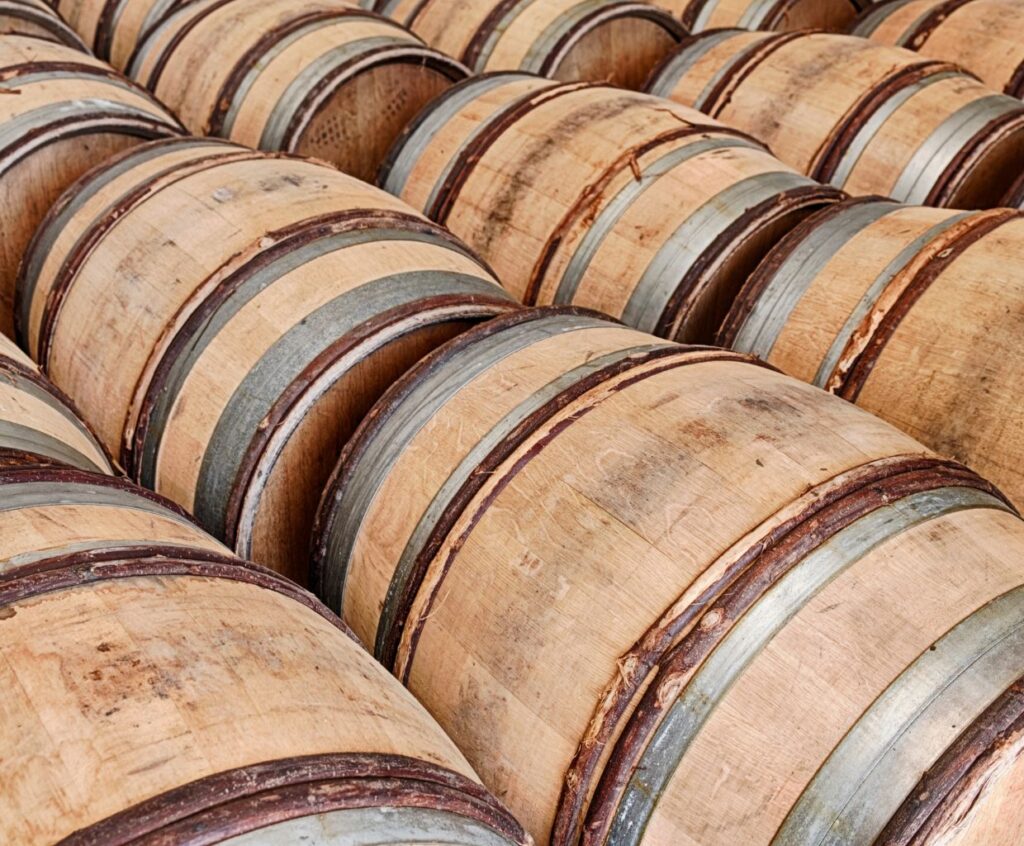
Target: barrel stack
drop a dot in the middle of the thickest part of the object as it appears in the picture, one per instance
(378, 516)
(593, 196)
(984, 36)
(612, 41)
(863, 117)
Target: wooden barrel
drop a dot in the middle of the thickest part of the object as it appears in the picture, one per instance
(983, 36)
(61, 112)
(610, 199)
(224, 318)
(176, 699)
(861, 116)
(36, 419)
(913, 313)
(322, 78)
(37, 18)
(663, 594)
(1015, 196)
(777, 15)
(616, 41)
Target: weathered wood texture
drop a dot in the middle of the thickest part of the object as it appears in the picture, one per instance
(589, 195)
(61, 112)
(777, 15)
(39, 19)
(664, 594)
(862, 116)
(983, 36)
(201, 700)
(616, 41)
(37, 419)
(224, 318)
(915, 314)
(321, 78)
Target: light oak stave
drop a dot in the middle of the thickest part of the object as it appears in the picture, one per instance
(650, 589)
(864, 117)
(253, 307)
(205, 701)
(776, 15)
(39, 19)
(598, 197)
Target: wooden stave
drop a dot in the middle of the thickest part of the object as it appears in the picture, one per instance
(956, 145)
(893, 304)
(940, 475)
(430, 304)
(248, 798)
(404, 174)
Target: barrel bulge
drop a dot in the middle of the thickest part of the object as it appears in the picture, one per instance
(70, 113)
(864, 117)
(982, 36)
(909, 312)
(181, 699)
(252, 308)
(323, 79)
(37, 18)
(777, 15)
(613, 41)
(664, 594)
(590, 195)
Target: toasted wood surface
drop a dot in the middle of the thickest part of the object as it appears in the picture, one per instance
(252, 308)
(651, 590)
(910, 312)
(322, 78)
(179, 701)
(614, 41)
(980, 35)
(61, 112)
(865, 117)
(594, 196)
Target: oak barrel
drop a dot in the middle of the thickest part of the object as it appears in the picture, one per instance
(37, 420)
(913, 313)
(112, 28)
(321, 78)
(201, 700)
(1015, 196)
(610, 199)
(61, 112)
(664, 594)
(615, 41)
(777, 15)
(224, 317)
(864, 117)
(983, 36)
(37, 18)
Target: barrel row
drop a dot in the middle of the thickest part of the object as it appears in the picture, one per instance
(583, 194)
(980, 35)
(784, 621)
(864, 117)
